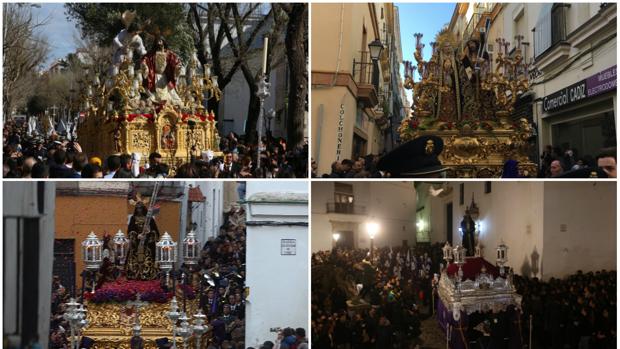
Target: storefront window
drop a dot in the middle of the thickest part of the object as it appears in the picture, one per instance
(586, 137)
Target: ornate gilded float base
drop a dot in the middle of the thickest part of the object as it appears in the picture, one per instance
(479, 149)
(110, 324)
(169, 133)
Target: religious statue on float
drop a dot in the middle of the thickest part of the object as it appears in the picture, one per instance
(143, 235)
(468, 231)
(160, 68)
(468, 228)
(467, 98)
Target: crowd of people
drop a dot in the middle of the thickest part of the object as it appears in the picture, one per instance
(57, 157)
(578, 311)
(59, 327)
(224, 303)
(359, 302)
(555, 162)
(363, 167)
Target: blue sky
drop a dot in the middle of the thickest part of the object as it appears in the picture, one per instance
(60, 33)
(425, 18)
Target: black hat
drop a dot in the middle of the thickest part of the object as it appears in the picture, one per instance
(584, 173)
(163, 343)
(416, 158)
(87, 342)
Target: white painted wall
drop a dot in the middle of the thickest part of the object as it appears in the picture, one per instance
(512, 213)
(588, 211)
(269, 273)
(391, 204)
(527, 217)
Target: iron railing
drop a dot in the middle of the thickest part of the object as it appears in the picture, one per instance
(345, 208)
(364, 72)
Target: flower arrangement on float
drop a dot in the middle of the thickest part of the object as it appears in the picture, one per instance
(124, 290)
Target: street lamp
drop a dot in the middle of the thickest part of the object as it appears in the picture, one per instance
(372, 228)
(375, 47)
(336, 237)
(420, 225)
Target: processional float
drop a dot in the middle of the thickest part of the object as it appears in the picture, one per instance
(151, 103)
(469, 285)
(468, 100)
(128, 314)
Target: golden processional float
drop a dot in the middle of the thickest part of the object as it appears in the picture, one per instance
(466, 100)
(159, 107)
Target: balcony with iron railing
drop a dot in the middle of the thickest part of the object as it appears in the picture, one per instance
(345, 208)
(550, 45)
(366, 76)
(482, 11)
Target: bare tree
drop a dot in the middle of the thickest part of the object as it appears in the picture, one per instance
(241, 47)
(211, 22)
(23, 51)
(296, 52)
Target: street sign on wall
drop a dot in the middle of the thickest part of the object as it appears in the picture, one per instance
(288, 247)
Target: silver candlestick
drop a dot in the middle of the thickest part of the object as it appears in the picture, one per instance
(173, 316)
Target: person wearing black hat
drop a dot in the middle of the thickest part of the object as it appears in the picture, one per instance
(416, 158)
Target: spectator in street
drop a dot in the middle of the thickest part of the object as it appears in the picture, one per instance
(556, 168)
(607, 162)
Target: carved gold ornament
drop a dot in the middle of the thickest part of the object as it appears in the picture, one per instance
(110, 324)
(467, 100)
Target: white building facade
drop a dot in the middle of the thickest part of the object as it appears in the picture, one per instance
(276, 260)
(573, 48)
(344, 208)
(552, 229)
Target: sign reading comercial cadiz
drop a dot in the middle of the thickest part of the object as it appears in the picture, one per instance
(596, 84)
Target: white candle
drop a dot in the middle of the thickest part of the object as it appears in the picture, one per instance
(265, 46)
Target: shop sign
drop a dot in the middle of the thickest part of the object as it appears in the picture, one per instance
(340, 133)
(599, 83)
(602, 82)
(565, 96)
